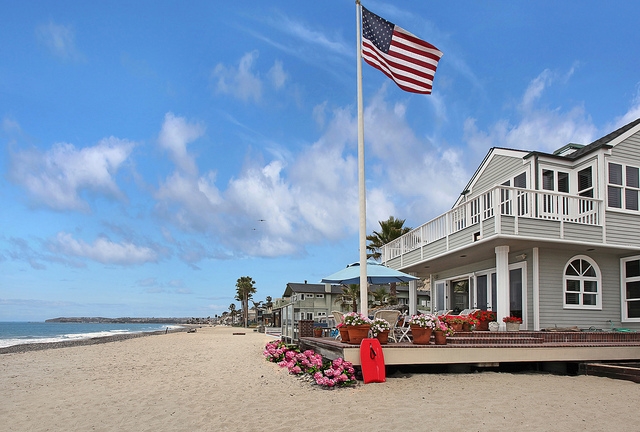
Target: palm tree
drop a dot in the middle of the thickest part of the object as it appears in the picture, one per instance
(350, 294)
(379, 295)
(245, 288)
(232, 309)
(390, 230)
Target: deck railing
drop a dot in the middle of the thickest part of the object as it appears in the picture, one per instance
(501, 201)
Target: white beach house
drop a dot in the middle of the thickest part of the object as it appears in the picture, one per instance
(551, 238)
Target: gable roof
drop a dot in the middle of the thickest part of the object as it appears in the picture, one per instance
(606, 142)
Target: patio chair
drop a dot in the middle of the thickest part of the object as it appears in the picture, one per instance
(391, 316)
(444, 312)
(467, 312)
(339, 317)
(402, 332)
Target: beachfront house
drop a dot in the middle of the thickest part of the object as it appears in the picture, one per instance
(306, 302)
(552, 238)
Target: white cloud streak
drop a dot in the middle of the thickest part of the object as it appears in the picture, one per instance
(56, 178)
(103, 250)
(59, 40)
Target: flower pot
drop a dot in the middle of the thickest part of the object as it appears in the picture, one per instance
(383, 337)
(482, 326)
(513, 326)
(494, 326)
(358, 332)
(344, 334)
(457, 327)
(440, 337)
(421, 335)
(466, 327)
(317, 332)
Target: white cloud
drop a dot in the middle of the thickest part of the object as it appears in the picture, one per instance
(56, 178)
(59, 40)
(538, 127)
(175, 135)
(241, 82)
(277, 75)
(103, 250)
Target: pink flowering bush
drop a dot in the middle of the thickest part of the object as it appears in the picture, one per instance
(336, 373)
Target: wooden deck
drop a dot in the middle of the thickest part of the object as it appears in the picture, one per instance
(492, 348)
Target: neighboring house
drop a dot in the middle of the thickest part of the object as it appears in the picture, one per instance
(551, 238)
(423, 296)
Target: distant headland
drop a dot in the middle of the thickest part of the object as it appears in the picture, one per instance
(124, 320)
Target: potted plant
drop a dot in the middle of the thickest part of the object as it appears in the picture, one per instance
(358, 326)
(453, 321)
(469, 323)
(421, 327)
(344, 332)
(512, 322)
(441, 331)
(317, 331)
(484, 318)
(380, 329)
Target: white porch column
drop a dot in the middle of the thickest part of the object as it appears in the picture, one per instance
(413, 296)
(536, 289)
(502, 280)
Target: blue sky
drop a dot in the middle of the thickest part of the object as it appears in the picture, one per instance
(153, 152)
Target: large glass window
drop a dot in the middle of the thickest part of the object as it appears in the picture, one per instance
(631, 288)
(582, 285)
(623, 186)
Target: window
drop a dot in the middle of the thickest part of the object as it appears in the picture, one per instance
(631, 288)
(623, 186)
(582, 284)
(549, 181)
(585, 183)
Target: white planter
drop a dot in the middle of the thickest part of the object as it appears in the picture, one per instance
(513, 326)
(494, 326)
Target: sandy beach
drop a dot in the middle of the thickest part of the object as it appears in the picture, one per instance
(214, 380)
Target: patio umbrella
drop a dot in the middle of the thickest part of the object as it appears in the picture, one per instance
(377, 273)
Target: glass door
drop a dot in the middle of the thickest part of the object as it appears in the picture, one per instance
(459, 295)
(486, 291)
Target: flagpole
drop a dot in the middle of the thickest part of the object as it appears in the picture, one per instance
(362, 193)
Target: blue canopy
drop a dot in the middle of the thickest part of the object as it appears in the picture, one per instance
(377, 274)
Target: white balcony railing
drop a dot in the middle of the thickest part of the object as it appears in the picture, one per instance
(502, 201)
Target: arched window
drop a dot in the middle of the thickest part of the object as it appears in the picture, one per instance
(582, 284)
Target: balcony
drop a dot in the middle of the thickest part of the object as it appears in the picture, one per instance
(502, 211)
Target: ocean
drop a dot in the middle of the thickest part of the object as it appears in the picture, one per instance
(17, 333)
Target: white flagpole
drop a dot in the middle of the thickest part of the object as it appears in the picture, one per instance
(362, 193)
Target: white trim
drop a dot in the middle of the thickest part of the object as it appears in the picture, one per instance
(623, 290)
(617, 140)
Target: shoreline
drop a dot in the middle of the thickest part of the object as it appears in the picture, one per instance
(39, 346)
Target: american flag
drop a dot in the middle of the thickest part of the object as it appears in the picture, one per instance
(409, 61)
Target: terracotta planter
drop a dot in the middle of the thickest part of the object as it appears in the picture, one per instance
(358, 332)
(466, 327)
(421, 335)
(513, 326)
(457, 327)
(344, 334)
(482, 326)
(383, 337)
(440, 338)
(317, 332)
